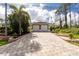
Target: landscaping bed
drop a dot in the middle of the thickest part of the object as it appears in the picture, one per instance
(6, 39)
(70, 35)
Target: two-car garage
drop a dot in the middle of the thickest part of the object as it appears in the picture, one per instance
(40, 26)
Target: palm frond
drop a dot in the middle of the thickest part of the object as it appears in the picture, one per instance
(13, 7)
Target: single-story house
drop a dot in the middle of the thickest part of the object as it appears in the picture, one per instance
(40, 26)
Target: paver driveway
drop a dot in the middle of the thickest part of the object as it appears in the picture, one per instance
(39, 44)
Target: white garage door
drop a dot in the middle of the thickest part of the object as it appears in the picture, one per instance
(35, 27)
(40, 28)
(44, 27)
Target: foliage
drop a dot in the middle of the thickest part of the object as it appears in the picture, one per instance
(19, 17)
(57, 30)
(71, 35)
(51, 28)
(76, 36)
(65, 31)
(65, 26)
(3, 42)
(72, 32)
(2, 29)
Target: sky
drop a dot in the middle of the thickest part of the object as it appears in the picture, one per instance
(44, 12)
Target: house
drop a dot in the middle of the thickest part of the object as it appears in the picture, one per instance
(40, 26)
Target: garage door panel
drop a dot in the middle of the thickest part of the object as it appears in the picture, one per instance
(35, 27)
(44, 27)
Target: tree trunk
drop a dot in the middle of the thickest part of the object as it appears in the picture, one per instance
(70, 16)
(20, 24)
(5, 19)
(70, 19)
(60, 22)
(78, 20)
(66, 19)
(75, 19)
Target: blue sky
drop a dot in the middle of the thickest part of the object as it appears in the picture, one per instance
(49, 6)
(40, 11)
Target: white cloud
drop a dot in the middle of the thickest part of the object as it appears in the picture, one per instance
(2, 11)
(38, 13)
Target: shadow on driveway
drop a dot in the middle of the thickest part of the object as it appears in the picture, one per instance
(24, 45)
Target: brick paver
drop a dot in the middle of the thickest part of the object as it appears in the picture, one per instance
(39, 44)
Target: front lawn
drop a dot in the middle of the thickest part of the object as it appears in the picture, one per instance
(3, 42)
(75, 36)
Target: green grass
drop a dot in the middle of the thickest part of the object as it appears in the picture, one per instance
(76, 36)
(68, 31)
(3, 42)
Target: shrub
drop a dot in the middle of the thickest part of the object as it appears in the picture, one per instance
(65, 26)
(51, 28)
(65, 31)
(71, 35)
(57, 30)
(2, 29)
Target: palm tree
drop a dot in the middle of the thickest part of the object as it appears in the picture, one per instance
(19, 12)
(78, 15)
(65, 7)
(58, 13)
(70, 15)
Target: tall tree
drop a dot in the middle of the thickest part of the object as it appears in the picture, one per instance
(5, 19)
(20, 18)
(58, 13)
(65, 7)
(70, 14)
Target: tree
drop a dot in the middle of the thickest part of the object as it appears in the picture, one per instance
(19, 19)
(70, 14)
(65, 7)
(58, 13)
(5, 19)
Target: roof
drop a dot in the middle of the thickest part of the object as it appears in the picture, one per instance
(39, 23)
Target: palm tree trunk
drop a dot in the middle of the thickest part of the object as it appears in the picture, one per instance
(5, 19)
(70, 19)
(60, 22)
(70, 16)
(66, 19)
(20, 24)
(75, 18)
(78, 20)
